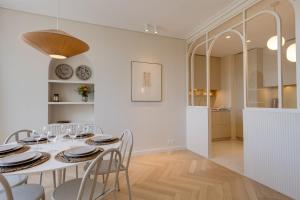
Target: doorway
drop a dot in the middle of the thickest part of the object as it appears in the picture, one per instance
(227, 100)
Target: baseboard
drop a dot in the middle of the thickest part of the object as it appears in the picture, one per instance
(158, 150)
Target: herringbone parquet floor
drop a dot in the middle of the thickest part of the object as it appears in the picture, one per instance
(182, 175)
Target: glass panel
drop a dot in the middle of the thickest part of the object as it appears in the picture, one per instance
(200, 77)
(226, 25)
(289, 94)
(226, 75)
(259, 6)
(262, 80)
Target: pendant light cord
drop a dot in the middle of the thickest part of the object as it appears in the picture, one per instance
(57, 16)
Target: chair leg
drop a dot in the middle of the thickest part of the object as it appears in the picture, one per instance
(76, 171)
(114, 195)
(118, 184)
(64, 175)
(128, 184)
(41, 178)
(43, 196)
(54, 178)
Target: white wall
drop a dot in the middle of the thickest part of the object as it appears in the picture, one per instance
(271, 149)
(198, 137)
(24, 74)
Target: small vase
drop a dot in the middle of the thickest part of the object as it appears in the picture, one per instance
(85, 98)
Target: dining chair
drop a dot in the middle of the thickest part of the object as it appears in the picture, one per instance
(21, 192)
(16, 136)
(92, 127)
(125, 150)
(88, 188)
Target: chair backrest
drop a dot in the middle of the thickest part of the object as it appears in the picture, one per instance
(6, 187)
(114, 159)
(16, 135)
(126, 147)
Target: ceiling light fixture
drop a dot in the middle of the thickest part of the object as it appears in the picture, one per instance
(146, 27)
(248, 41)
(273, 42)
(228, 37)
(291, 53)
(155, 29)
(55, 43)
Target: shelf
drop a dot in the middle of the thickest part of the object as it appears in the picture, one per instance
(71, 103)
(70, 82)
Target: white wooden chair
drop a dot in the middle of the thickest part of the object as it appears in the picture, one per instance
(13, 180)
(88, 188)
(21, 192)
(125, 150)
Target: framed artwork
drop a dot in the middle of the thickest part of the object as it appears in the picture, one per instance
(146, 82)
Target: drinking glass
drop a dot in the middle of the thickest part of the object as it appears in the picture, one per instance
(72, 134)
(37, 136)
(52, 136)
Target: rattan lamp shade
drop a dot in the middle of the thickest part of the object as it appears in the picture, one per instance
(55, 43)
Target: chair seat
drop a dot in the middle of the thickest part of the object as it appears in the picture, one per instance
(69, 190)
(105, 165)
(26, 192)
(15, 180)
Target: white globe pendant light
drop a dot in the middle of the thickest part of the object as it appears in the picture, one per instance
(273, 42)
(291, 53)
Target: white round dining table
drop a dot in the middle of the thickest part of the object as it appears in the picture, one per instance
(53, 149)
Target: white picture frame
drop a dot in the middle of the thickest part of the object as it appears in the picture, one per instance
(146, 82)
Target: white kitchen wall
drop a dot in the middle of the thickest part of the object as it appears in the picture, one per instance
(24, 74)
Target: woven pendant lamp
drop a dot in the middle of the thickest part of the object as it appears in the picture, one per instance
(55, 43)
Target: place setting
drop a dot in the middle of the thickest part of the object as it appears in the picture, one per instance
(102, 140)
(79, 133)
(35, 138)
(78, 154)
(10, 149)
(22, 161)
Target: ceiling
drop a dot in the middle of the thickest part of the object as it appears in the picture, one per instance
(174, 18)
(258, 31)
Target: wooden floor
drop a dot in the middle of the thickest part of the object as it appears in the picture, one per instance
(182, 175)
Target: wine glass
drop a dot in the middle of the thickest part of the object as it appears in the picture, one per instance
(37, 136)
(72, 134)
(52, 136)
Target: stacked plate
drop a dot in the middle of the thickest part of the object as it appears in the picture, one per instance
(8, 148)
(104, 139)
(81, 151)
(20, 159)
(32, 140)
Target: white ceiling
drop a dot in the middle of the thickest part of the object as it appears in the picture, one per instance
(175, 18)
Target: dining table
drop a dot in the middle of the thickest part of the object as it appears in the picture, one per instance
(53, 148)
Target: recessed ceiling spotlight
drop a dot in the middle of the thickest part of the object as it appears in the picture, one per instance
(248, 41)
(146, 27)
(155, 29)
(228, 37)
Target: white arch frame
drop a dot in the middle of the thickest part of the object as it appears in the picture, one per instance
(245, 56)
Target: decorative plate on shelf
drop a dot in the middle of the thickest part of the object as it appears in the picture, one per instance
(83, 72)
(64, 71)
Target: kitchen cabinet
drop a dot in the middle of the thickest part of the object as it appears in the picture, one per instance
(200, 72)
(270, 69)
(221, 128)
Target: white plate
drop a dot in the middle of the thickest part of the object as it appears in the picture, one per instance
(9, 147)
(20, 159)
(31, 139)
(103, 138)
(80, 151)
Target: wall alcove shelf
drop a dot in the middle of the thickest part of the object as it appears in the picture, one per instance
(70, 106)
